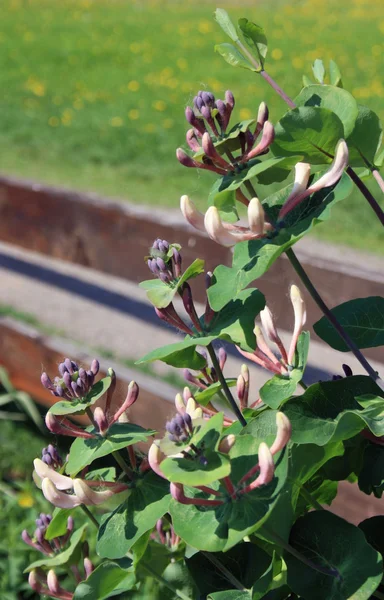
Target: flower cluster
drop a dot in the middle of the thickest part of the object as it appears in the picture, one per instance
(165, 260)
(38, 541)
(74, 381)
(207, 138)
(262, 355)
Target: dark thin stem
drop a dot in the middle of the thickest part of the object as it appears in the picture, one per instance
(367, 194)
(122, 464)
(288, 548)
(227, 574)
(331, 318)
(310, 499)
(224, 385)
(303, 385)
(161, 579)
(90, 516)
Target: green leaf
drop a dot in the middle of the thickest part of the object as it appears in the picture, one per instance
(306, 81)
(335, 99)
(252, 259)
(256, 39)
(204, 397)
(79, 406)
(221, 527)
(107, 580)
(84, 451)
(362, 319)
(311, 131)
(355, 568)
(148, 502)
(336, 410)
(373, 531)
(280, 387)
(161, 294)
(318, 70)
(234, 323)
(58, 525)
(247, 562)
(233, 56)
(371, 476)
(206, 468)
(64, 557)
(365, 138)
(334, 74)
(225, 202)
(230, 595)
(223, 19)
(255, 168)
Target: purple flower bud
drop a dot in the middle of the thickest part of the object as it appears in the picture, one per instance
(188, 421)
(46, 381)
(67, 380)
(75, 388)
(206, 112)
(230, 99)
(166, 244)
(164, 277)
(208, 98)
(59, 391)
(161, 264)
(155, 244)
(68, 365)
(62, 369)
(95, 366)
(162, 248)
(198, 102)
(83, 376)
(184, 159)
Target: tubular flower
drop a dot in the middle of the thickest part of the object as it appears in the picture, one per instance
(330, 177)
(223, 233)
(263, 355)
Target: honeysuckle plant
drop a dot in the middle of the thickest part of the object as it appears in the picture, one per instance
(232, 497)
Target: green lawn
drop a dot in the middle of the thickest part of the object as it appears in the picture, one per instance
(93, 92)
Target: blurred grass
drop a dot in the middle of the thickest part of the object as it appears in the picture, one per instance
(93, 91)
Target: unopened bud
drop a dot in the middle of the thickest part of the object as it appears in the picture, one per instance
(267, 467)
(154, 458)
(215, 229)
(256, 216)
(230, 99)
(227, 443)
(222, 357)
(34, 582)
(46, 381)
(269, 326)
(179, 403)
(184, 159)
(298, 306)
(266, 140)
(132, 395)
(100, 420)
(283, 435)
(192, 140)
(95, 366)
(191, 214)
(88, 567)
(53, 582)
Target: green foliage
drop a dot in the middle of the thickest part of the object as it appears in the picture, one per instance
(362, 318)
(79, 406)
(161, 294)
(67, 557)
(109, 579)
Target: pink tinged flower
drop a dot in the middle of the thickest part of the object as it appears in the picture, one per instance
(63, 426)
(300, 318)
(216, 230)
(212, 153)
(266, 140)
(88, 567)
(330, 177)
(270, 330)
(177, 492)
(192, 140)
(283, 435)
(262, 116)
(266, 465)
(61, 482)
(132, 395)
(86, 495)
(191, 214)
(53, 582)
(155, 457)
(256, 216)
(227, 443)
(101, 420)
(263, 346)
(34, 582)
(58, 498)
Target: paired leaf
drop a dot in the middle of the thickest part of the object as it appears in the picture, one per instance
(335, 99)
(107, 580)
(233, 56)
(362, 319)
(352, 568)
(120, 530)
(366, 138)
(161, 294)
(318, 70)
(311, 131)
(84, 451)
(223, 19)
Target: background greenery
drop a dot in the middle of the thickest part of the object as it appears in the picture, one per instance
(93, 91)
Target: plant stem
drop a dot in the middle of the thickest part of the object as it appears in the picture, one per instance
(161, 579)
(227, 574)
(331, 318)
(90, 516)
(122, 464)
(291, 550)
(303, 385)
(310, 499)
(278, 89)
(366, 193)
(224, 385)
